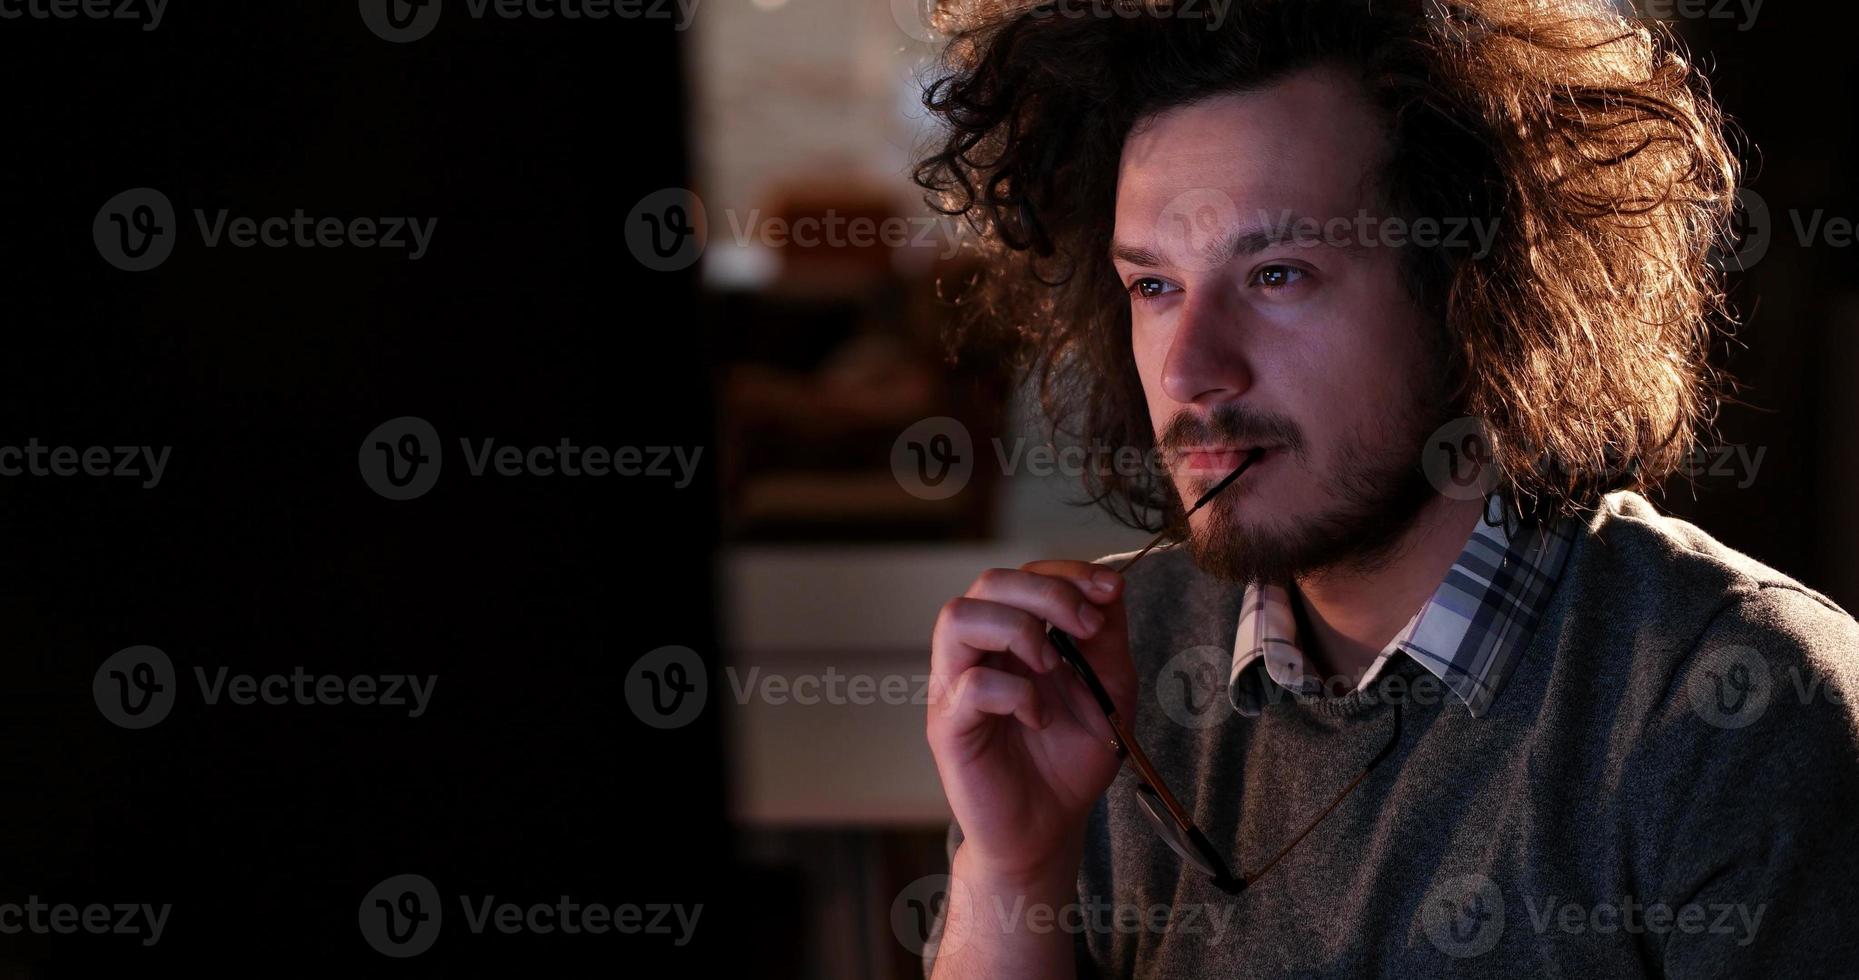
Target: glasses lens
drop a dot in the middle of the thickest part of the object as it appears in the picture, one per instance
(1170, 830)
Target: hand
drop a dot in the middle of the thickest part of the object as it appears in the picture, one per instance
(1021, 746)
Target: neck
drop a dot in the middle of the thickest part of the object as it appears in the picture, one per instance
(1352, 613)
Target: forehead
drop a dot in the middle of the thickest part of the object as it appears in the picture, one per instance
(1307, 142)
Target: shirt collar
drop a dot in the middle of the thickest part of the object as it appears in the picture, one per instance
(1469, 634)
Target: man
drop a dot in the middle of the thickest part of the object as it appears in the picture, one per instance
(1478, 708)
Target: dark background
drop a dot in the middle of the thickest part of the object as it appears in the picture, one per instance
(262, 549)
(1789, 82)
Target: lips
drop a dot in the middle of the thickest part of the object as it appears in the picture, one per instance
(1220, 459)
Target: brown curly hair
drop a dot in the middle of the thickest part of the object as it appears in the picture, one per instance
(1581, 336)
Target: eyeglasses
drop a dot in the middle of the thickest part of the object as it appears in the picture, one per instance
(1162, 808)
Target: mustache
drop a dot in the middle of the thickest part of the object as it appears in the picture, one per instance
(1229, 425)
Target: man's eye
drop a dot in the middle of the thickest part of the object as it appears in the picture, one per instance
(1148, 288)
(1277, 276)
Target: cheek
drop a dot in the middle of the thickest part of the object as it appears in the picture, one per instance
(1149, 349)
(1369, 400)
(1345, 381)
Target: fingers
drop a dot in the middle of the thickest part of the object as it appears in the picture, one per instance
(1066, 597)
(1106, 650)
(984, 693)
(1103, 587)
(1006, 611)
(967, 629)
(1099, 583)
(1065, 699)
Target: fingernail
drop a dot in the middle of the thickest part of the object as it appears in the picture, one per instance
(1051, 659)
(1103, 582)
(1091, 618)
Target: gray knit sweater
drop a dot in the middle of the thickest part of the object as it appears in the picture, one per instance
(1666, 786)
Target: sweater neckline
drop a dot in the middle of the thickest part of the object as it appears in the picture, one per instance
(1377, 695)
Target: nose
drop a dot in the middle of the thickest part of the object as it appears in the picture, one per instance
(1206, 362)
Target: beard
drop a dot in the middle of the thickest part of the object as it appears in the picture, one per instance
(1377, 491)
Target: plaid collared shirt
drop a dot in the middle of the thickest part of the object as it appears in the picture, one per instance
(1468, 634)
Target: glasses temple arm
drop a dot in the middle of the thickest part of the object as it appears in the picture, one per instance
(1126, 747)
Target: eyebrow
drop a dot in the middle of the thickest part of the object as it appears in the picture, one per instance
(1241, 241)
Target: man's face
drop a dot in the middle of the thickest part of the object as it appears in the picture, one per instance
(1265, 312)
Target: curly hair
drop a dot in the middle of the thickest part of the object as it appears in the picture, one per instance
(1580, 336)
